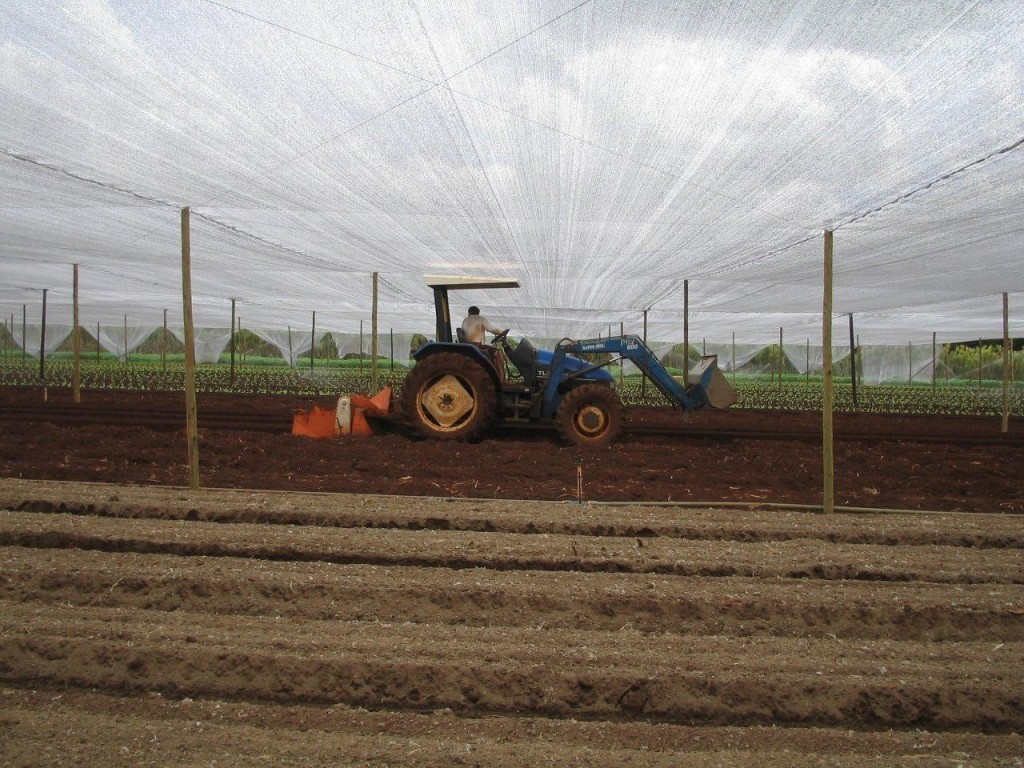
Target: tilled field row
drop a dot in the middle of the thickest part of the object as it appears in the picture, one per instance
(751, 524)
(250, 733)
(796, 558)
(498, 670)
(302, 591)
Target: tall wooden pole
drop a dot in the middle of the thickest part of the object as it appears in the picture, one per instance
(42, 342)
(828, 477)
(191, 413)
(126, 339)
(232, 337)
(312, 344)
(24, 330)
(933, 362)
(853, 364)
(1006, 362)
(76, 340)
(622, 368)
(374, 386)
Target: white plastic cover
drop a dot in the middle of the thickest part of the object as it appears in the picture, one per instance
(601, 153)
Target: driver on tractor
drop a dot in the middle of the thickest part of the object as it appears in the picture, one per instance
(474, 329)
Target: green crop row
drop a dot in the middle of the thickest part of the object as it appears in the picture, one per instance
(795, 393)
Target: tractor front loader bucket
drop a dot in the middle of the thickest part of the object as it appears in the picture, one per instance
(707, 376)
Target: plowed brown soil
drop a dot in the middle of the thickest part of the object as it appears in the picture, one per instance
(698, 458)
(144, 625)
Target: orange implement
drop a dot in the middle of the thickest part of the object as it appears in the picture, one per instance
(316, 423)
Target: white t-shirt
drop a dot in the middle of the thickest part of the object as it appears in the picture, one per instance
(474, 326)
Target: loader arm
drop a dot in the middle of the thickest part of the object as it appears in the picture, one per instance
(706, 386)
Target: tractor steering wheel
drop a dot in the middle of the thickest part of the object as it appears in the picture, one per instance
(500, 336)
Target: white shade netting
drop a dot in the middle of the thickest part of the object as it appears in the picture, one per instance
(122, 340)
(29, 337)
(600, 153)
(290, 342)
(209, 343)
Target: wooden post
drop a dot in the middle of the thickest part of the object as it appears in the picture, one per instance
(910, 363)
(312, 344)
(392, 331)
(807, 362)
(622, 368)
(232, 337)
(42, 342)
(76, 340)
(24, 330)
(360, 347)
(374, 385)
(191, 413)
(732, 367)
(291, 353)
(828, 477)
(163, 346)
(97, 342)
(933, 363)
(853, 364)
(979, 364)
(126, 339)
(643, 380)
(686, 329)
(1006, 362)
(780, 359)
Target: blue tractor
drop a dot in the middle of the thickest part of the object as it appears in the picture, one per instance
(457, 391)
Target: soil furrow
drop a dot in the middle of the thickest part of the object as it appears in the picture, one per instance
(568, 519)
(691, 605)
(799, 558)
(611, 676)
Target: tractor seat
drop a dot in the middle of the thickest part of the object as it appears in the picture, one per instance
(523, 355)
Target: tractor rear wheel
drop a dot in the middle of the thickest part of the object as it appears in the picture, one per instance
(449, 396)
(589, 415)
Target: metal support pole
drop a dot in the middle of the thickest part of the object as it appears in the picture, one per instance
(126, 339)
(76, 340)
(828, 468)
(686, 329)
(232, 338)
(933, 362)
(42, 342)
(24, 330)
(1006, 362)
(312, 344)
(853, 364)
(163, 346)
(643, 381)
(374, 384)
(191, 412)
(780, 360)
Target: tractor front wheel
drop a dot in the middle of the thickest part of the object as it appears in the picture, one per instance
(589, 415)
(449, 396)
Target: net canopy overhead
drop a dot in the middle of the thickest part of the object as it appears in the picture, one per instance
(601, 153)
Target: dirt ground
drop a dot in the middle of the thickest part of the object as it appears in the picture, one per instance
(699, 460)
(145, 626)
(149, 625)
